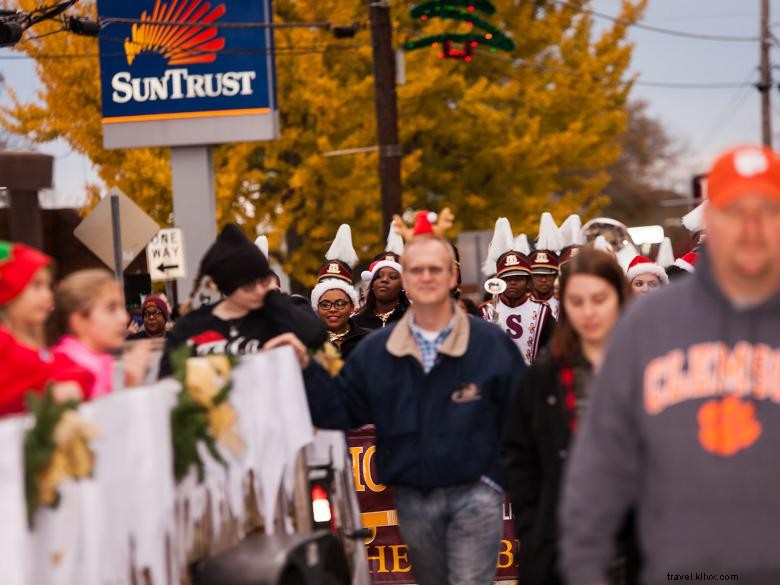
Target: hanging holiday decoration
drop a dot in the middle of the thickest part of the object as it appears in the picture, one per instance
(481, 33)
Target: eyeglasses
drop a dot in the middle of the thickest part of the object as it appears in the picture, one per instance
(420, 270)
(327, 305)
(156, 314)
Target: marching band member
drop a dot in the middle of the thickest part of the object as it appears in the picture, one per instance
(544, 264)
(527, 322)
(334, 298)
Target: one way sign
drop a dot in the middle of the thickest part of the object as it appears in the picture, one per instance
(165, 255)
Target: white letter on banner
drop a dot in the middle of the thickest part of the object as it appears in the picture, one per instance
(230, 85)
(123, 91)
(158, 88)
(210, 80)
(246, 82)
(176, 77)
(195, 86)
(137, 83)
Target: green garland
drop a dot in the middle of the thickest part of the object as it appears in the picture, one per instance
(39, 444)
(491, 36)
(190, 422)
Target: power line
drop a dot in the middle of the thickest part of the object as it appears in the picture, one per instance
(663, 84)
(727, 113)
(227, 25)
(658, 29)
(279, 51)
(682, 85)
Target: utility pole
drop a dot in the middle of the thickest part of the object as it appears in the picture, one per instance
(765, 85)
(386, 109)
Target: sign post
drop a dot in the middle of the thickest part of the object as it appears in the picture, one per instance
(172, 74)
(194, 204)
(116, 238)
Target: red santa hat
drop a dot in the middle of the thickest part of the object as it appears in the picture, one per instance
(18, 265)
(386, 260)
(390, 258)
(687, 261)
(423, 222)
(642, 265)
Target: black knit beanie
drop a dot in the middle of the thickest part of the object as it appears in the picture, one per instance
(234, 260)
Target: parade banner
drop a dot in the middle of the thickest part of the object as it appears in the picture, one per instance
(131, 518)
(187, 72)
(388, 556)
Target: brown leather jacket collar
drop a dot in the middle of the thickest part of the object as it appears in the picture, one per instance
(401, 341)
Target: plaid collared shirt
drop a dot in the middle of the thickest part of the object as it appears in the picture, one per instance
(429, 349)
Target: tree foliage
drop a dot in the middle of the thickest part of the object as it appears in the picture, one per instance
(503, 135)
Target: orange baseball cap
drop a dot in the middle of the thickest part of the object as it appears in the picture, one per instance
(741, 171)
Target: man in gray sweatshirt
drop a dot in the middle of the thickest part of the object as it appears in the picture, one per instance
(684, 421)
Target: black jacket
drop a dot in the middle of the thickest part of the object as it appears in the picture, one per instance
(206, 333)
(350, 340)
(536, 443)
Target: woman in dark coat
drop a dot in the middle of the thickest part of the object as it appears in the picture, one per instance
(548, 406)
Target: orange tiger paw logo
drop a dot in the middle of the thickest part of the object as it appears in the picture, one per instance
(728, 425)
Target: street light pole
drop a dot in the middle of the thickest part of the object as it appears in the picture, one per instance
(386, 109)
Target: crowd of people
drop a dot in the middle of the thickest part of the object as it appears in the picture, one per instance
(624, 407)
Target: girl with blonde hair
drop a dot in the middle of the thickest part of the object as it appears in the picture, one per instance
(90, 321)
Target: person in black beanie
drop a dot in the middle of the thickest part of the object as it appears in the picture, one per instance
(252, 311)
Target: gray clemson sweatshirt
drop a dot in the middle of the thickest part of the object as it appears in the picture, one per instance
(684, 425)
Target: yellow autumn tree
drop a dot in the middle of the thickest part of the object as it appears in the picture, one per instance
(507, 134)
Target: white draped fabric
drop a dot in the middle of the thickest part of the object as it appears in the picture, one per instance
(131, 513)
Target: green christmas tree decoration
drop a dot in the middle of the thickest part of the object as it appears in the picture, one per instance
(482, 32)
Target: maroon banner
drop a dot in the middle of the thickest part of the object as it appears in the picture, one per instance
(388, 556)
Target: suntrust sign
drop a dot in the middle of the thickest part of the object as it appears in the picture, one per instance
(179, 84)
(185, 72)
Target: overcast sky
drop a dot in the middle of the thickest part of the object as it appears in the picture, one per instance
(704, 120)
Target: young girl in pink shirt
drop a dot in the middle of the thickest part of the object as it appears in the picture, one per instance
(90, 315)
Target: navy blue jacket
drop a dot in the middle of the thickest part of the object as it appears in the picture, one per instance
(432, 430)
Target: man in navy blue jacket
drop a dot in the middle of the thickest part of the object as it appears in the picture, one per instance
(437, 385)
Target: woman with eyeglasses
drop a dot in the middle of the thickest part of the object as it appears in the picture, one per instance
(334, 307)
(154, 313)
(334, 298)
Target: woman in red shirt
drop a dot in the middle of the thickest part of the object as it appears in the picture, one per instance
(25, 303)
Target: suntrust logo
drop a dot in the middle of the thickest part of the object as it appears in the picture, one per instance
(182, 32)
(179, 84)
(191, 41)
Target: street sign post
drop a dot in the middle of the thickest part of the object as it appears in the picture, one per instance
(165, 255)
